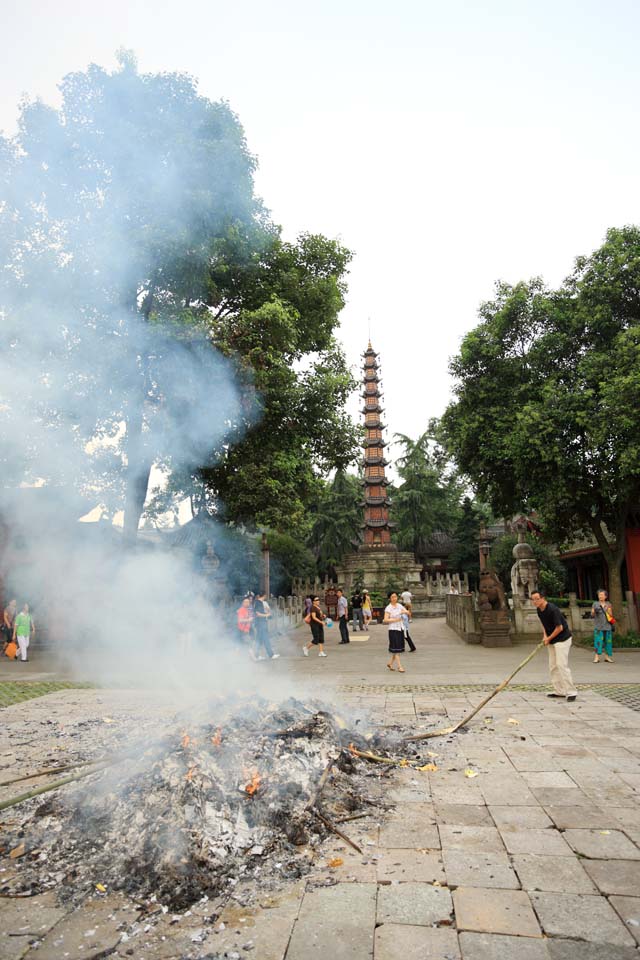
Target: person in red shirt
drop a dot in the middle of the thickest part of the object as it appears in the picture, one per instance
(244, 620)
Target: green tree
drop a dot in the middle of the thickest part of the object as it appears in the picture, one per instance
(289, 559)
(428, 497)
(109, 207)
(548, 386)
(465, 557)
(337, 521)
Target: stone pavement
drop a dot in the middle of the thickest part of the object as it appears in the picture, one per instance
(524, 843)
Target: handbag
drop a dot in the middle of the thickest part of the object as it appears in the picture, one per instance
(307, 619)
(11, 650)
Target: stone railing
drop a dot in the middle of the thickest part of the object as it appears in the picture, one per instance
(463, 617)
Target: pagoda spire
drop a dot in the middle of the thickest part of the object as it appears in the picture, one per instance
(377, 528)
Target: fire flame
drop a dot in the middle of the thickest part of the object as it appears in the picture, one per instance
(254, 784)
(353, 749)
(189, 774)
(216, 739)
(186, 740)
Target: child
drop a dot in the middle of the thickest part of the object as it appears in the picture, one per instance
(405, 630)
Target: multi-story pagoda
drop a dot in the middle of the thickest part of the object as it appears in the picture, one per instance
(377, 528)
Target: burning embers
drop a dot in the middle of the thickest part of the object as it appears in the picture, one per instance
(203, 809)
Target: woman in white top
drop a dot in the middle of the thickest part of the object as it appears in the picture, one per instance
(393, 617)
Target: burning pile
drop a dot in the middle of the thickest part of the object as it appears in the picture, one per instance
(189, 815)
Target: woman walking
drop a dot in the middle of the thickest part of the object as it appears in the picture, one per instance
(367, 611)
(262, 612)
(317, 629)
(6, 627)
(393, 617)
(602, 613)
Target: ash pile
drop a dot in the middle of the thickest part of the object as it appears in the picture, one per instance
(250, 796)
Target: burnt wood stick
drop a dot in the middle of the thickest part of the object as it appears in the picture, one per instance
(332, 827)
(465, 720)
(355, 816)
(49, 771)
(322, 782)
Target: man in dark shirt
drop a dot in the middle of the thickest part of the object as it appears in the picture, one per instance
(557, 636)
(358, 616)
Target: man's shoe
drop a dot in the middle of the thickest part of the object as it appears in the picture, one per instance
(571, 699)
(275, 656)
(305, 651)
(556, 696)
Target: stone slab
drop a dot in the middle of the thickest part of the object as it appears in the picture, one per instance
(615, 876)
(518, 817)
(507, 790)
(495, 911)
(628, 909)
(553, 874)
(394, 940)
(412, 825)
(404, 865)
(454, 787)
(567, 818)
(417, 904)
(557, 779)
(23, 921)
(547, 842)
(465, 868)
(268, 927)
(485, 839)
(589, 918)
(463, 814)
(578, 950)
(93, 930)
(490, 946)
(602, 844)
(336, 922)
(561, 797)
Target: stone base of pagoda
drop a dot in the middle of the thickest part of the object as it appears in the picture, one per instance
(375, 568)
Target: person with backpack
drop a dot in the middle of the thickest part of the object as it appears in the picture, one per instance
(603, 621)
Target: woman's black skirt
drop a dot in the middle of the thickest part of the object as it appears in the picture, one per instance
(317, 632)
(396, 641)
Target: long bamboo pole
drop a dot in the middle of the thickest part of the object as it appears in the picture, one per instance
(470, 716)
(14, 801)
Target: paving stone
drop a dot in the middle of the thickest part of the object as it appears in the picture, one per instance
(410, 865)
(412, 825)
(628, 909)
(22, 921)
(454, 788)
(555, 779)
(602, 844)
(268, 927)
(90, 931)
(463, 814)
(485, 839)
(395, 940)
(560, 874)
(529, 818)
(490, 946)
(506, 790)
(464, 868)
(495, 911)
(336, 922)
(566, 818)
(615, 876)
(547, 842)
(588, 918)
(413, 903)
(562, 797)
(578, 950)
(570, 750)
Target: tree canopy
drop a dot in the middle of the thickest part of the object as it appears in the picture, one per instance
(152, 314)
(548, 388)
(337, 521)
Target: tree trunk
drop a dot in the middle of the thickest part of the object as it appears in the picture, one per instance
(138, 472)
(613, 559)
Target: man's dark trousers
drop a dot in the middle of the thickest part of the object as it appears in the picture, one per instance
(344, 630)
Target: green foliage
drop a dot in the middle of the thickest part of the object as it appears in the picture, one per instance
(289, 558)
(428, 498)
(465, 557)
(552, 574)
(548, 385)
(336, 521)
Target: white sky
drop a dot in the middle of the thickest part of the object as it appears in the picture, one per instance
(448, 144)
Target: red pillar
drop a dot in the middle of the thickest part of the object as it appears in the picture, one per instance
(633, 559)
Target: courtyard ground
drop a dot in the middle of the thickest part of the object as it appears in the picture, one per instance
(535, 855)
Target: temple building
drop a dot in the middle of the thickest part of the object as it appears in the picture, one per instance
(377, 529)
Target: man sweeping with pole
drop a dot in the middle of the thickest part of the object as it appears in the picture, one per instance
(557, 637)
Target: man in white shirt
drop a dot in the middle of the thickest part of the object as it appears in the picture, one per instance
(406, 598)
(343, 615)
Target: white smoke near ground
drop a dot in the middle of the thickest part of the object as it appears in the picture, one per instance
(108, 209)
